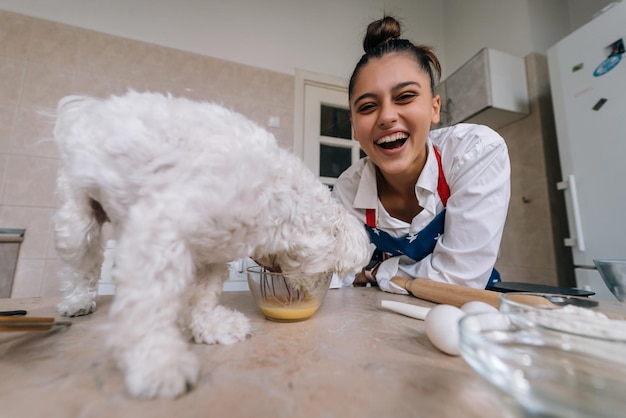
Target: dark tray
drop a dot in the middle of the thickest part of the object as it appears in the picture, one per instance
(506, 287)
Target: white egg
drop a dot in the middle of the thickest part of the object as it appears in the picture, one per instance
(491, 318)
(442, 328)
(477, 306)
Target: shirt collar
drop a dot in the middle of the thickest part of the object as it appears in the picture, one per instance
(426, 188)
(367, 194)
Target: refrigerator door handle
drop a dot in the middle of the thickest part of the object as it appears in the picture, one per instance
(579, 239)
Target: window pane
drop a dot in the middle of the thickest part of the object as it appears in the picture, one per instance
(335, 122)
(334, 160)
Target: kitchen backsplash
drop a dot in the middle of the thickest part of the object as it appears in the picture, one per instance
(532, 249)
(42, 61)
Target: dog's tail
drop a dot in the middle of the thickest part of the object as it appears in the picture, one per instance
(70, 105)
(68, 113)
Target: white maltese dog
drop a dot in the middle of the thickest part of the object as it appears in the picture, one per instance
(187, 187)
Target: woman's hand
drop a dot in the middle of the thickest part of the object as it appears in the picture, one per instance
(366, 276)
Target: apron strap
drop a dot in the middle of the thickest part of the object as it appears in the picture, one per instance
(442, 184)
(370, 218)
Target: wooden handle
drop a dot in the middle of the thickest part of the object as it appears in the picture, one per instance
(446, 293)
(28, 323)
(18, 328)
(455, 295)
(25, 319)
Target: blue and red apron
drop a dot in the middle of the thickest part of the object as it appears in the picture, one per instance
(415, 246)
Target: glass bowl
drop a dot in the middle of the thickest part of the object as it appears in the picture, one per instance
(287, 297)
(549, 373)
(573, 315)
(613, 273)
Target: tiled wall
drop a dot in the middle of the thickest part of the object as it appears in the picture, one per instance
(42, 61)
(532, 249)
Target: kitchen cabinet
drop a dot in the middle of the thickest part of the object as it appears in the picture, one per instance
(489, 89)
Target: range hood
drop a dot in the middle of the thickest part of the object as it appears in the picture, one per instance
(490, 89)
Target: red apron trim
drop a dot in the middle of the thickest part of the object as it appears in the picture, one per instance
(442, 184)
(370, 218)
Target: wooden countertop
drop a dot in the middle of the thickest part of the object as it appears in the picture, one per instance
(352, 359)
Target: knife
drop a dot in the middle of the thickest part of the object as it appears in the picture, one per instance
(19, 312)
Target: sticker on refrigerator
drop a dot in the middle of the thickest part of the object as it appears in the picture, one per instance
(615, 51)
(599, 104)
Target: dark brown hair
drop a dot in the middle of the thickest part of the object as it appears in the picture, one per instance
(383, 37)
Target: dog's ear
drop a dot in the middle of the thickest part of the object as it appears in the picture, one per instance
(333, 240)
(352, 245)
(343, 248)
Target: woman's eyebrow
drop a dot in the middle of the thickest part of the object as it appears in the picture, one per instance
(394, 88)
(364, 96)
(405, 84)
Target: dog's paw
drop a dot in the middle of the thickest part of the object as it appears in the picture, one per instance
(161, 374)
(68, 307)
(219, 326)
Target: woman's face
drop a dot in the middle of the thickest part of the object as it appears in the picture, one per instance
(392, 109)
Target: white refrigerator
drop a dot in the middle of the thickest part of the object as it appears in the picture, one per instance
(588, 82)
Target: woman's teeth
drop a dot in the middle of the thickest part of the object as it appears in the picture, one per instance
(392, 141)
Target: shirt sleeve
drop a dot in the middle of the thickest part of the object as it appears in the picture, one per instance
(479, 181)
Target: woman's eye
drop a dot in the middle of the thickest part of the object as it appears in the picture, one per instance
(405, 97)
(368, 107)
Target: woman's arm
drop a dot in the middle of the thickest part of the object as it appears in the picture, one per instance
(479, 180)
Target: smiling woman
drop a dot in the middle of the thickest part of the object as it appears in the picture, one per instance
(433, 201)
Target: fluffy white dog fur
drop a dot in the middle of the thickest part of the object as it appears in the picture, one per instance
(187, 187)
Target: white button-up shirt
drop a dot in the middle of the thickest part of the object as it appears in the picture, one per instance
(476, 166)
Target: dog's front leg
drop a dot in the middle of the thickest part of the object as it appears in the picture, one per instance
(78, 241)
(206, 320)
(153, 269)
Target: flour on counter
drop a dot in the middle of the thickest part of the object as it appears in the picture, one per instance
(580, 321)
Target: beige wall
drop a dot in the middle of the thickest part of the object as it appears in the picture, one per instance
(42, 61)
(284, 35)
(322, 36)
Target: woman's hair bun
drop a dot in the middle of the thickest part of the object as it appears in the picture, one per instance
(381, 31)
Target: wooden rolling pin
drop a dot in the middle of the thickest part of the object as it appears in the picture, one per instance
(455, 295)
